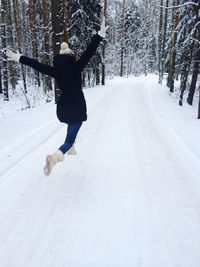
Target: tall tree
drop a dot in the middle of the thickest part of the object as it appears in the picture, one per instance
(47, 46)
(57, 15)
(1, 88)
(103, 48)
(198, 117)
(163, 23)
(18, 37)
(171, 75)
(161, 42)
(122, 38)
(4, 44)
(32, 20)
(196, 55)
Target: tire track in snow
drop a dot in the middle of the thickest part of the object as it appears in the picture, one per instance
(168, 180)
(18, 161)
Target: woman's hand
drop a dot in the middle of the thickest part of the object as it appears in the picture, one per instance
(103, 28)
(13, 56)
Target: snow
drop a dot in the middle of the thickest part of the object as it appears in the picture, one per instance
(129, 198)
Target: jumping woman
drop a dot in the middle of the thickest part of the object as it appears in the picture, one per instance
(71, 106)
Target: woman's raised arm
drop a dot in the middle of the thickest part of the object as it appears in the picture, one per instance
(92, 47)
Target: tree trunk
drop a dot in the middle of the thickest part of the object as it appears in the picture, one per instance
(196, 59)
(57, 17)
(194, 80)
(47, 54)
(97, 75)
(122, 40)
(57, 24)
(65, 23)
(164, 39)
(104, 49)
(103, 63)
(161, 43)
(164, 36)
(4, 44)
(184, 77)
(175, 18)
(198, 117)
(32, 19)
(1, 88)
(18, 38)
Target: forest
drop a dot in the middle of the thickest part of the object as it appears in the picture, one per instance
(144, 37)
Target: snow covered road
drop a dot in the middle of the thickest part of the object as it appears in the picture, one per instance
(129, 198)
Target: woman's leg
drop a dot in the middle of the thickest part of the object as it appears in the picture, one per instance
(51, 160)
(72, 131)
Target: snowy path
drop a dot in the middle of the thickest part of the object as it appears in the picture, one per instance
(129, 198)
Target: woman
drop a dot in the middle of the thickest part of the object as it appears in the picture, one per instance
(71, 107)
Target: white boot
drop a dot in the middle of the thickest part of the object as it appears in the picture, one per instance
(72, 150)
(51, 160)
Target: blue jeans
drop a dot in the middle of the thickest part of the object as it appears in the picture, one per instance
(72, 131)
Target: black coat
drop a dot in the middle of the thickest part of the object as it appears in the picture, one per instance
(71, 106)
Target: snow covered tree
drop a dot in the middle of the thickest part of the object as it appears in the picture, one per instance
(4, 9)
(58, 31)
(103, 53)
(161, 42)
(184, 47)
(32, 20)
(195, 38)
(47, 43)
(1, 88)
(84, 21)
(122, 38)
(171, 74)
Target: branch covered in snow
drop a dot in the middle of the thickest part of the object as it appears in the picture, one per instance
(178, 6)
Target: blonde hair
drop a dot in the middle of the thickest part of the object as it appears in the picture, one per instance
(65, 50)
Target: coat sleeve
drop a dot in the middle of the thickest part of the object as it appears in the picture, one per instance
(43, 68)
(88, 54)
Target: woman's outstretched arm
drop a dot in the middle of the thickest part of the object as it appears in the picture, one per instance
(43, 68)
